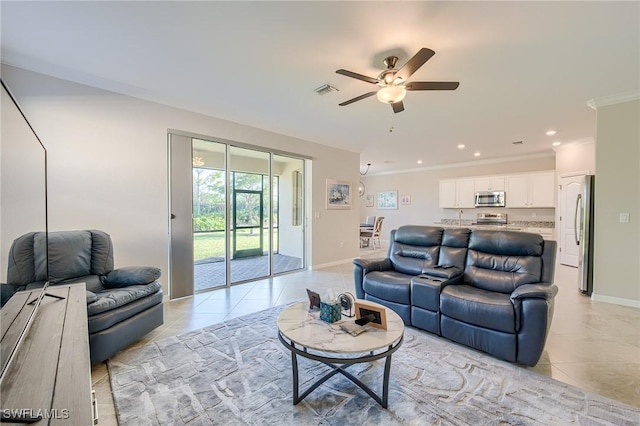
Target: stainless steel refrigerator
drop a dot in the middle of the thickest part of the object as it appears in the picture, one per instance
(584, 234)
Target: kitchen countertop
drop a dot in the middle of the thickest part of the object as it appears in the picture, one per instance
(487, 227)
(517, 226)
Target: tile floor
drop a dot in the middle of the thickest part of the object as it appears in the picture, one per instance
(592, 345)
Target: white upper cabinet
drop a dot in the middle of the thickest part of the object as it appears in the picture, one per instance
(490, 183)
(447, 194)
(543, 190)
(457, 193)
(466, 192)
(517, 191)
(530, 190)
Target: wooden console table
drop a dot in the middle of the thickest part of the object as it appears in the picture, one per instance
(50, 374)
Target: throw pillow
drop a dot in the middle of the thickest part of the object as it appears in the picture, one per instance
(131, 275)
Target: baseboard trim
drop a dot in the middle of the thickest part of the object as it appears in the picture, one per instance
(616, 300)
(330, 264)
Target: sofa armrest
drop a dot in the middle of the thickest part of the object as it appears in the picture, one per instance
(363, 267)
(130, 275)
(369, 265)
(439, 271)
(544, 291)
(539, 298)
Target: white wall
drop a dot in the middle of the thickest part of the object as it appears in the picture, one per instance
(422, 186)
(108, 167)
(617, 245)
(576, 157)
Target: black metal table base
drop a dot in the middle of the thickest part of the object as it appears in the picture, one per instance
(339, 365)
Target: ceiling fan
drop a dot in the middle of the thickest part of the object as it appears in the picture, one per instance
(393, 82)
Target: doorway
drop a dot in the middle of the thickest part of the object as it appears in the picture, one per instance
(245, 217)
(248, 235)
(570, 187)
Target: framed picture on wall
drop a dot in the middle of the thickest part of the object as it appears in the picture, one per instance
(338, 195)
(369, 201)
(388, 199)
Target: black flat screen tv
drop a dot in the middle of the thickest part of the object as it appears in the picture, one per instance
(23, 203)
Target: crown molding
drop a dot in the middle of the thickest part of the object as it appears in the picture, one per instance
(467, 164)
(619, 98)
(569, 144)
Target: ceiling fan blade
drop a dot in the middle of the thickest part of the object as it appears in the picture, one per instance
(357, 76)
(432, 85)
(397, 107)
(414, 63)
(359, 98)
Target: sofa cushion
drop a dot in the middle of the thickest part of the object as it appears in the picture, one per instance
(414, 247)
(415, 235)
(510, 243)
(479, 307)
(412, 260)
(21, 269)
(91, 297)
(113, 298)
(501, 273)
(131, 275)
(456, 237)
(69, 254)
(93, 283)
(116, 316)
(101, 252)
(388, 285)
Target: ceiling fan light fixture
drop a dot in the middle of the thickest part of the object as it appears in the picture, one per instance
(391, 94)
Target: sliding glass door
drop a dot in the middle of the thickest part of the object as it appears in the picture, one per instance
(288, 214)
(247, 214)
(209, 198)
(251, 207)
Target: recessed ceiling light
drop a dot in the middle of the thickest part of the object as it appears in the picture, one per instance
(476, 154)
(419, 161)
(556, 143)
(551, 132)
(461, 146)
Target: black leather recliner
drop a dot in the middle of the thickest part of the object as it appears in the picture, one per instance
(490, 290)
(122, 304)
(504, 306)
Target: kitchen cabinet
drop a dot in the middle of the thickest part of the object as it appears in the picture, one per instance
(490, 183)
(530, 190)
(547, 233)
(457, 193)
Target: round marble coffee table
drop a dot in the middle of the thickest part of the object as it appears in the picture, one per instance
(305, 334)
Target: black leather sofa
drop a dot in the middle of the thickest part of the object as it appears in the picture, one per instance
(489, 290)
(122, 304)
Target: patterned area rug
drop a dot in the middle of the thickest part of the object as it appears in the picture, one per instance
(238, 373)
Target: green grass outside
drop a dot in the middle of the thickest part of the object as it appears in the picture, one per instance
(211, 244)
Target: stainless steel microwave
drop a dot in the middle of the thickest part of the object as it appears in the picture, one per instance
(490, 199)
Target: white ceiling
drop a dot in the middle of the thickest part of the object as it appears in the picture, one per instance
(523, 67)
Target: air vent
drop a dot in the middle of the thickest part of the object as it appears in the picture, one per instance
(517, 143)
(325, 88)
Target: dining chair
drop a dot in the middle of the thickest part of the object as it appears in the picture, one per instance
(368, 238)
